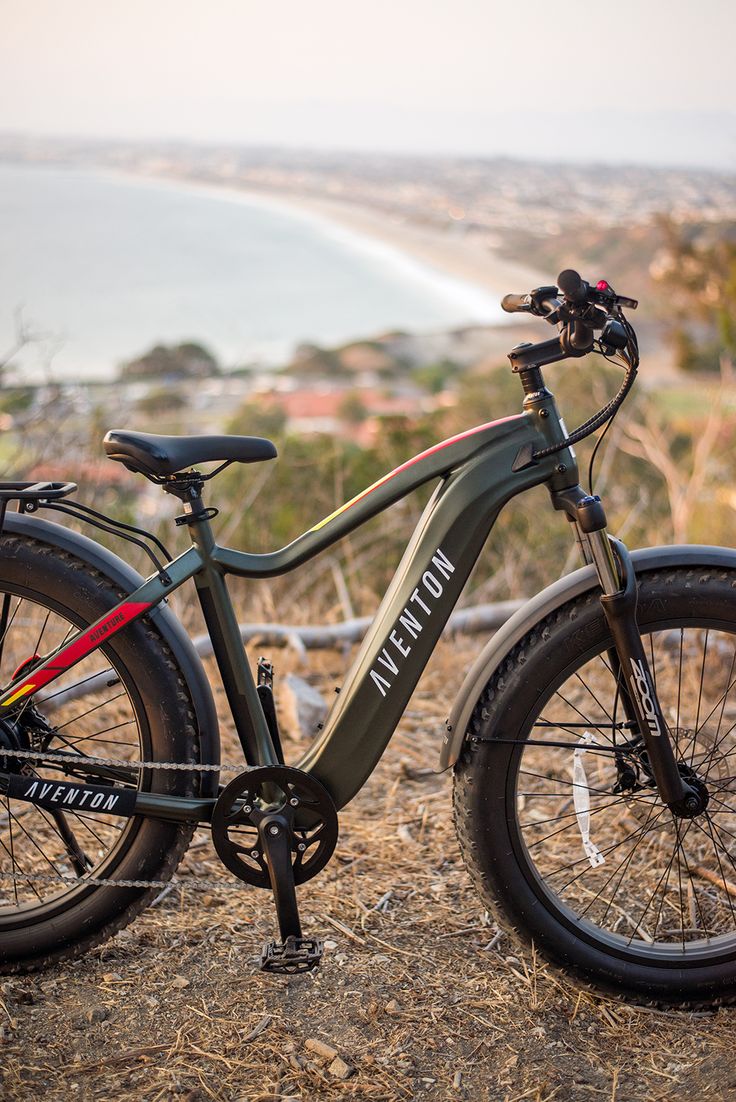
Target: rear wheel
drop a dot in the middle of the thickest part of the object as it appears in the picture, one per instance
(50, 906)
(570, 845)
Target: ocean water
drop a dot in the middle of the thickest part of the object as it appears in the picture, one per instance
(106, 265)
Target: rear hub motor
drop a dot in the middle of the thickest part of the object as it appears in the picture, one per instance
(12, 737)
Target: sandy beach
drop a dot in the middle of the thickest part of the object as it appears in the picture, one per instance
(455, 253)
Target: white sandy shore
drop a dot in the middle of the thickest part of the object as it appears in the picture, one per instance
(458, 262)
(455, 252)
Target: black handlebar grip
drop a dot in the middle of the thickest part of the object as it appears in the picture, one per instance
(572, 286)
(514, 304)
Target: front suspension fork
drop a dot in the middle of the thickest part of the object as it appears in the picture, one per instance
(629, 662)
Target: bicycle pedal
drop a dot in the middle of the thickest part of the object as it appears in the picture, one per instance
(296, 954)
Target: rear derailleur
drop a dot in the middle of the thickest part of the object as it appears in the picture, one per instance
(275, 826)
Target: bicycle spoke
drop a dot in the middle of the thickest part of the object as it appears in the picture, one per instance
(664, 877)
(656, 867)
(622, 865)
(36, 841)
(83, 715)
(12, 848)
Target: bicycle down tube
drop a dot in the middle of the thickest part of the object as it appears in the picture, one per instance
(478, 478)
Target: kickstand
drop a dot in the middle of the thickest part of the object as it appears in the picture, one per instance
(294, 953)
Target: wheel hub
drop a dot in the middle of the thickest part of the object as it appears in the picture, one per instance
(696, 801)
(12, 737)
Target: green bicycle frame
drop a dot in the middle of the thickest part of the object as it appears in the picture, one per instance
(479, 471)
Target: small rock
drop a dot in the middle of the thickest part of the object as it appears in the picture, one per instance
(98, 1014)
(339, 1069)
(319, 1048)
(392, 1007)
(180, 982)
(18, 994)
(330, 944)
(302, 707)
(112, 977)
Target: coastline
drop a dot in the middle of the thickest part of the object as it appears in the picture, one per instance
(455, 256)
(455, 252)
(450, 279)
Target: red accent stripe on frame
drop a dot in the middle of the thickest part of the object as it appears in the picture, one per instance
(410, 463)
(81, 647)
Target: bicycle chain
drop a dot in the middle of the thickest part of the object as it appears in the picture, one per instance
(82, 759)
(100, 881)
(104, 882)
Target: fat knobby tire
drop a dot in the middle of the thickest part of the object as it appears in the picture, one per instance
(485, 807)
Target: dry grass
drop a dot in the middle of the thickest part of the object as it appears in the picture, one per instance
(416, 994)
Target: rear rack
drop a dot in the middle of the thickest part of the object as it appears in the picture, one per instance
(34, 495)
(31, 494)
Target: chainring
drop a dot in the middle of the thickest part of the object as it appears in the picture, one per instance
(266, 790)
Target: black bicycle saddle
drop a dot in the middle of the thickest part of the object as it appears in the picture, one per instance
(161, 456)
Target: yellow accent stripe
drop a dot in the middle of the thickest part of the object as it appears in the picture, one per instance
(353, 500)
(21, 692)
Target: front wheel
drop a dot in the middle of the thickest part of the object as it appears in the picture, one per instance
(559, 820)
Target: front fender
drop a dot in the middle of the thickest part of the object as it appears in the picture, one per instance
(128, 580)
(561, 591)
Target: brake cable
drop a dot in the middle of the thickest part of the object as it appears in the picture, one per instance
(609, 411)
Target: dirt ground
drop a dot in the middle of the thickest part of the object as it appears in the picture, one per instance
(417, 997)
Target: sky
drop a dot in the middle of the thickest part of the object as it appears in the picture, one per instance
(628, 80)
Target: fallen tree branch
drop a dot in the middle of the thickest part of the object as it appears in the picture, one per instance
(301, 637)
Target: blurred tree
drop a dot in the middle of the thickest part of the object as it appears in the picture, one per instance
(435, 377)
(188, 360)
(352, 408)
(160, 400)
(698, 270)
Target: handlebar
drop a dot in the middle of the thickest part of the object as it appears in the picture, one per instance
(516, 304)
(579, 309)
(572, 286)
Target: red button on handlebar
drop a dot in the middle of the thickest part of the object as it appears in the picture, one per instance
(602, 285)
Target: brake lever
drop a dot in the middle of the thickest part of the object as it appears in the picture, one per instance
(545, 303)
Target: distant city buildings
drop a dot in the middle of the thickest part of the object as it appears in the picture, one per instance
(480, 195)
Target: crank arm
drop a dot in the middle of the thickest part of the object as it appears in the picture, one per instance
(275, 836)
(295, 953)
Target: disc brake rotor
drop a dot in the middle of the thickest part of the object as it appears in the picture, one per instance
(707, 759)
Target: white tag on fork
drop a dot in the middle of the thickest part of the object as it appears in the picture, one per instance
(581, 800)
